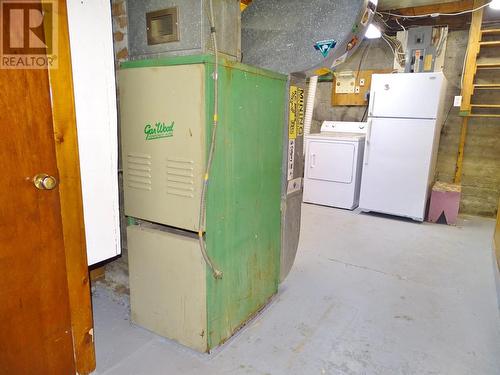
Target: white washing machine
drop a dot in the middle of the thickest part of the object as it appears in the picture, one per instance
(334, 162)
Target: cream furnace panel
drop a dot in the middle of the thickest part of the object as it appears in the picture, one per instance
(163, 138)
(168, 284)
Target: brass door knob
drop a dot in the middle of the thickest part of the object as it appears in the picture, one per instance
(43, 181)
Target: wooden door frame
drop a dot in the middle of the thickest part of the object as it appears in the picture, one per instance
(70, 192)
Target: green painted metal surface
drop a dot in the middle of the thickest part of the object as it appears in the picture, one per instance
(199, 59)
(243, 223)
(243, 203)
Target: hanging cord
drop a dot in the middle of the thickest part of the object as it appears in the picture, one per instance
(202, 218)
(397, 21)
(362, 59)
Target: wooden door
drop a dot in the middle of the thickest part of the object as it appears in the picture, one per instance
(34, 312)
(45, 315)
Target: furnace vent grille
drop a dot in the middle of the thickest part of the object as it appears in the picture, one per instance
(139, 171)
(180, 177)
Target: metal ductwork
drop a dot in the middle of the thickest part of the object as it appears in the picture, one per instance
(305, 37)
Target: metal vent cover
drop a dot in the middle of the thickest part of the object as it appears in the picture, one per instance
(161, 26)
(191, 29)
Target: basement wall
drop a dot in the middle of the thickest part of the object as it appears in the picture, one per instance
(481, 175)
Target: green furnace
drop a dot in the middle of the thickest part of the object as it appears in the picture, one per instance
(166, 124)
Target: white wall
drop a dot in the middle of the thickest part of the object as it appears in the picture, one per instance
(92, 59)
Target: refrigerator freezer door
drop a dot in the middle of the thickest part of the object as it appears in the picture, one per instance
(408, 95)
(397, 167)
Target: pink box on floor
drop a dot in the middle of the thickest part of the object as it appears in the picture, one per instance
(445, 203)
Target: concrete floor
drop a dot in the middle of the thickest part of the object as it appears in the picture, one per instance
(367, 295)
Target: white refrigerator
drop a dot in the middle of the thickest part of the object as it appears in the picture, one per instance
(404, 126)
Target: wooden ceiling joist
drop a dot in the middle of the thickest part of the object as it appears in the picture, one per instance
(453, 22)
(454, 7)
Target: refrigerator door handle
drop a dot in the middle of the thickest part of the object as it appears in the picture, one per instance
(313, 160)
(368, 140)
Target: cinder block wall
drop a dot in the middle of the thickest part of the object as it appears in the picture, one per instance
(120, 26)
(481, 178)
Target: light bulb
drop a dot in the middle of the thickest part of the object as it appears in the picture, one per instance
(373, 32)
(495, 4)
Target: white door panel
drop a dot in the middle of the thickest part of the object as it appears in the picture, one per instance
(397, 165)
(406, 95)
(93, 67)
(331, 161)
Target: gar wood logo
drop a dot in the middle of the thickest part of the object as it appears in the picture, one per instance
(159, 130)
(28, 32)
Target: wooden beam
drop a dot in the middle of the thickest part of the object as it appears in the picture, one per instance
(454, 7)
(66, 141)
(471, 58)
(453, 22)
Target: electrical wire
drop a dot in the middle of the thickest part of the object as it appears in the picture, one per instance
(442, 39)
(390, 45)
(396, 43)
(463, 66)
(380, 18)
(397, 21)
(364, 114)
(443, 130)
(202, 218)
(437, 14)
(397, 49)
(362, 59)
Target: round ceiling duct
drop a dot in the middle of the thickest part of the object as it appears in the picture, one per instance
(306, 37)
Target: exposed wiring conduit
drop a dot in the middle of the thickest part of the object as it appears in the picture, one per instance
(202, 218)
(311, 97)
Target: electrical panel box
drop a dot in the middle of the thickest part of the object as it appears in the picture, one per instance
(420, 55)
(165, 28)
(424, 47)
